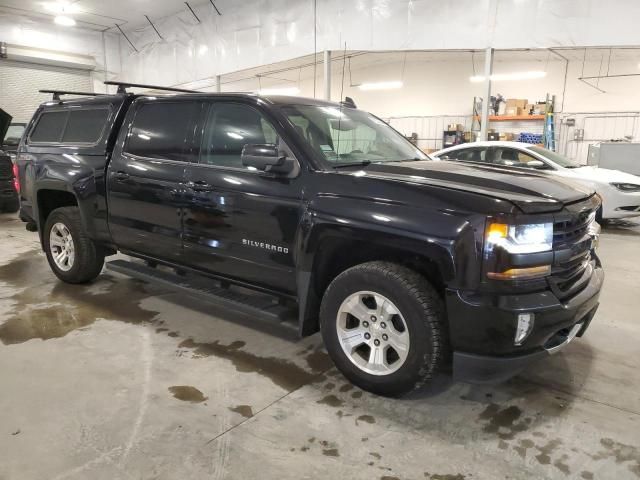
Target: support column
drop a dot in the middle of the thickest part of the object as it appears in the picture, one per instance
(327, 75)
(218, 83)
(488, 70)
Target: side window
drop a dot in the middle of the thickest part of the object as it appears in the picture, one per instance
(472, 155)
(516, 158)
(70, 126)
(229, 127)
(85, 126)
(49, 127)
(161, 130)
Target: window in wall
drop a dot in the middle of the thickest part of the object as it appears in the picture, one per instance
(161, 130)
(229, 127)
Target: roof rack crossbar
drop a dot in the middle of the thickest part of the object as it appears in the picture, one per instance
(57, 93)
(122, 87)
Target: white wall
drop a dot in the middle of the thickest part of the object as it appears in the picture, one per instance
(257, 32)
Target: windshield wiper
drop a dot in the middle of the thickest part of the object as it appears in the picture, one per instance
(363, 163)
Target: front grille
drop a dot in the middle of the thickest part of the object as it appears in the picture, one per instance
(6, 168)
(572, 246)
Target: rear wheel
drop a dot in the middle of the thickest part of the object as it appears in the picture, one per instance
(72, 255)
(383, 325)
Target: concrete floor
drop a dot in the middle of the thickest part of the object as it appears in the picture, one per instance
(122, 380)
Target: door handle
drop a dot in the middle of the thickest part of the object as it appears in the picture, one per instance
(121, 176)
(200, 186)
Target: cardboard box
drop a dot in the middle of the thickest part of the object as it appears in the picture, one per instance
(516, 102)
(540, 109)
(512, 111)
(529, 107)
(509, 137)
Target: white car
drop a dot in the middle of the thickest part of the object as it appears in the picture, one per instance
(620, 191)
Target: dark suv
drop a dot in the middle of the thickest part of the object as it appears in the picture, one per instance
(8, 182)
(404, 264)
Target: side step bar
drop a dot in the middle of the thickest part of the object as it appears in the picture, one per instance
(255, 305)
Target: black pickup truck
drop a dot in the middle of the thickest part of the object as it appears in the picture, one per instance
(404, 264)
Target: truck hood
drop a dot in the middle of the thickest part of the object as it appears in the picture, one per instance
(531, 191)
(5, 121)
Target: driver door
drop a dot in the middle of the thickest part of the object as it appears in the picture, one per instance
(240, 222)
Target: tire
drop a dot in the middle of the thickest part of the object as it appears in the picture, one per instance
(418, 307)
(11, 206)
(88, 259)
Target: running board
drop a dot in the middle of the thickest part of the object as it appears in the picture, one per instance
(255, 305)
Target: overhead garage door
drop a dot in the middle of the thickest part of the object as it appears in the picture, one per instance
(20, 82)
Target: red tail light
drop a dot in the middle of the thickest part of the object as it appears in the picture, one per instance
(16, 181)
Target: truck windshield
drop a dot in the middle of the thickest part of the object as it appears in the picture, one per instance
(344, 136)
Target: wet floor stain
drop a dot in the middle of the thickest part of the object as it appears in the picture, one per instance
(356, 395)
(244, 410)
(621, 453)
(345, 388)
(42, 312)
(523, 446)
(445, 476)
(332, 401)
(387, 477)
(281, 372)
(366, 419)
(546, 450)
(187, 393)
(586, 475)
(318, 361)
(331, 452)
(375, 455)
(504, 421)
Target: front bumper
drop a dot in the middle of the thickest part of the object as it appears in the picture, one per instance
(482, 329)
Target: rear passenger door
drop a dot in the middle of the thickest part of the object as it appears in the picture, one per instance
(146, 175)
(240, 222)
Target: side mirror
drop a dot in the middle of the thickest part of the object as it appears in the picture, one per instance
(537, 164)
(266, 157)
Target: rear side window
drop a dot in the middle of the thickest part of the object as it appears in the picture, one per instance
(85, 126)
(161, 130)
(49, 127)
(70, 126)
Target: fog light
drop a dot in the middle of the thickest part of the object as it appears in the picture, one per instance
(525, 325)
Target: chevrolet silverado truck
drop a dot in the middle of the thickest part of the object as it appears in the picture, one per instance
(273, 205)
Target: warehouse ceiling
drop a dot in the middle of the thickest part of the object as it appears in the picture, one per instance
(100, 14)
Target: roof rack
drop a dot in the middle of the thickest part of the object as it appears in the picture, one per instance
(57, 93)
(122, 87)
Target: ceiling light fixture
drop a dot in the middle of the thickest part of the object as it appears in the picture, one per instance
(505, 77)
(64, 21)
(280, 91)
(381, 85)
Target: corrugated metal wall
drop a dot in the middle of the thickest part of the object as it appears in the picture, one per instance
(20, 82)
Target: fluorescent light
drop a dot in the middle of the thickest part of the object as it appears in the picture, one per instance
(64, 21)
(280, 91)
(505, 77)
(381, 85)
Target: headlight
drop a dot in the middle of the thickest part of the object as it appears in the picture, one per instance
(502, 238)
(532, 238)
(626, 187)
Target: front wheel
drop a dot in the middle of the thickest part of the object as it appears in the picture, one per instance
(383, 326)
(72, 255)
